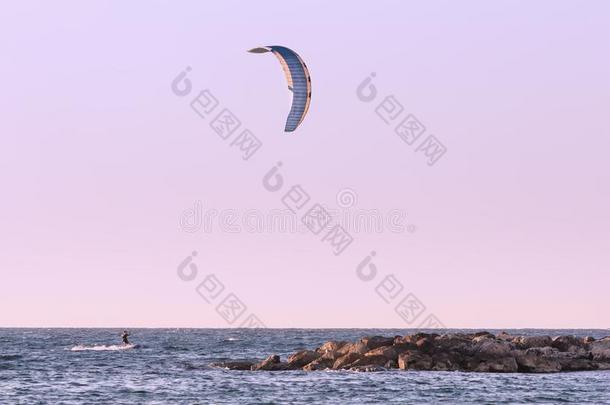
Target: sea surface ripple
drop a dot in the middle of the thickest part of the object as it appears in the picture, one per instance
(173, 366)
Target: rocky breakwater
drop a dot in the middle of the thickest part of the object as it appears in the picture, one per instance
(476, 352)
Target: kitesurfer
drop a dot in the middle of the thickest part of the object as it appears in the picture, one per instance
(124, 336)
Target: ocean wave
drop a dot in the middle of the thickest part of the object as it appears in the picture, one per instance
(186, 365)
(102, 348)
(176, 348)
(10, 356)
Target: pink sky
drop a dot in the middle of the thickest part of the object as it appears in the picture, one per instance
(99, 159)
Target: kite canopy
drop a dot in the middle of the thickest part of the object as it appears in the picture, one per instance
(299, 82)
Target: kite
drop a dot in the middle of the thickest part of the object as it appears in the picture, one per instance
(299, 82)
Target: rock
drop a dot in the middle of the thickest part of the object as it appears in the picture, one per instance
(387, 352)
(492, 348)
(401, 339)
(404, 339)
(453, 342)
(501, 365)
(402, 343)
(447, 361)
(374, 360)
(414, 338)
(273, 359)
(301, 358)
(235, 365)
(425, 343)
(588, 339)
(319, 364)
(505, 336)
(537, 360)
(331, 346)
(390, 364)
(346, 360)
(527, 342)
(565, 343)
(358, 347)
(281, 366)
(483, 334)
(600, 349)
(478, 352)
(331, 355)
(271, 363)
(571, 364)
(572, 360)
(482, 338)
(412, 360)
(375, 342)
(403, 347)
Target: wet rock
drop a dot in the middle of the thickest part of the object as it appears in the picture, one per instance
(567, 343)
(483, 338)
(477, 352)
(527, 342)
(601, 365)
(403, 343)
(425, 343)
(331, 346)
(537, 360)
(501, 365)
(387, 352)
(331, 355)
(374, 360)
(492, 348)
(505, 336)
(358, 347)
(319, 364)
(575, 359)
(346, 360)
(302, 358)
(600, 349)
(483, 334)
(271, 363)
(453, 343)
(391, 364)
(235, 365)
(447, 361)
(401, 339)
(572, 364)
(414, 338)
(374, 342)
(408, 339)
(412, 360)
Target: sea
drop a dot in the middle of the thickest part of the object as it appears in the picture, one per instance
(172, 366)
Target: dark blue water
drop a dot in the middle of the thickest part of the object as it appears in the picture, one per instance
(172, 366)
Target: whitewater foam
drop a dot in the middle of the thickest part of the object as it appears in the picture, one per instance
(102, 348)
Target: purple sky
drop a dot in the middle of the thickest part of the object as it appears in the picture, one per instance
(99, 159)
